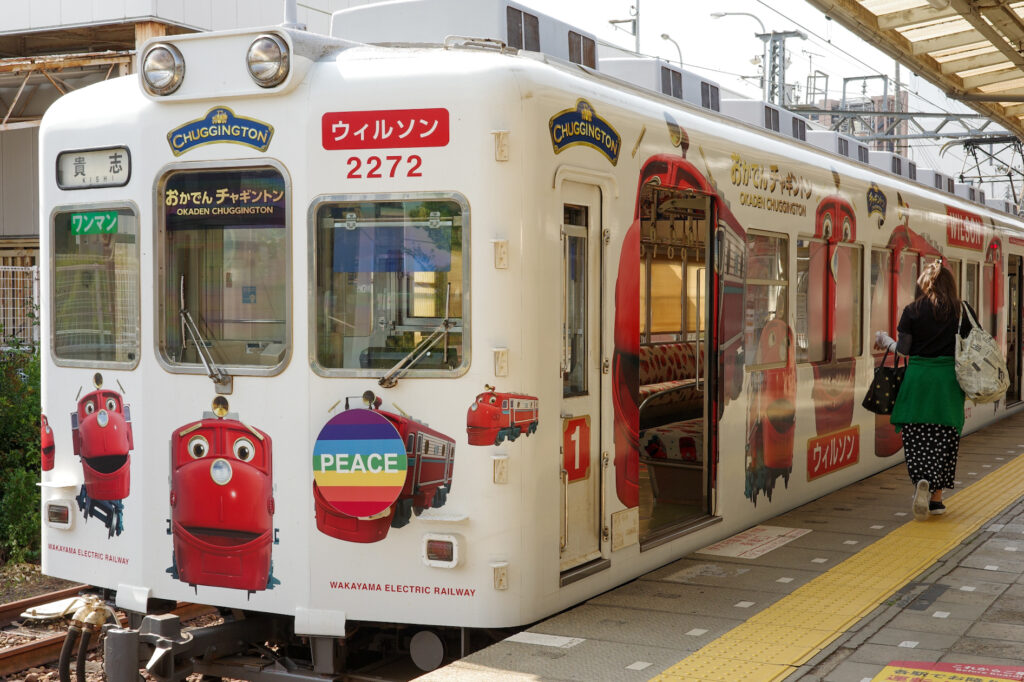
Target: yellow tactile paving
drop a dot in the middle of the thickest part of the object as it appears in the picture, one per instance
(773, 643)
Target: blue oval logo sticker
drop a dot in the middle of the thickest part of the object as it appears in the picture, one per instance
(220, 125)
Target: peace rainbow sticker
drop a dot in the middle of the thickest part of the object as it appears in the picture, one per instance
(359, 463)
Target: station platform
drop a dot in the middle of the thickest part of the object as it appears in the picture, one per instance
(868, 594)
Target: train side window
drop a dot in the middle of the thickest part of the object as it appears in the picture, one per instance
(767, 294)
(906, 288)
(954, 269)
(94, 312)
(389, 281)
(988, 314)
(812, 308)
(881, 290)
(849, 268)
(575, 322)
(969, 292)
(226, 263)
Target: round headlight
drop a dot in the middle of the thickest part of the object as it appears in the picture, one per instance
(220, 472)
(163, 69)
(267, 60)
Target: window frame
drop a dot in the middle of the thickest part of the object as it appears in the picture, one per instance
(52, 270)
(787, 282)
(160, 253)
(311, 265)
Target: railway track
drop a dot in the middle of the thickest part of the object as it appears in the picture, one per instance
(45, 648)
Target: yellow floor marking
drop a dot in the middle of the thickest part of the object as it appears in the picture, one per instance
(773, 643)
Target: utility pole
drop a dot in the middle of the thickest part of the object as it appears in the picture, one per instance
(777, 64)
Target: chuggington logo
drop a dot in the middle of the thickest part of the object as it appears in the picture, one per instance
(220, 125)
(583, 126)
(876, 203)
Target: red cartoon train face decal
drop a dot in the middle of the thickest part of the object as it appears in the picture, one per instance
(101, 434)
(222, 503)
(495, 416)
(373, 469)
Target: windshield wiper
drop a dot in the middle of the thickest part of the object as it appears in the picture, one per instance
(390, 379)
(219, 376)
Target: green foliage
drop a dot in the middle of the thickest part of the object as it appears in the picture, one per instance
(19, 453)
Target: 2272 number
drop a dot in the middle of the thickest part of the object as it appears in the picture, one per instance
(376, 167)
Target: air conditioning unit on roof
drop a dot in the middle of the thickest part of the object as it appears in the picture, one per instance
(893, 163)
(768, 116)
(431, 21)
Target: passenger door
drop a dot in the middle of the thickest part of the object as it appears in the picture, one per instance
(580, 368)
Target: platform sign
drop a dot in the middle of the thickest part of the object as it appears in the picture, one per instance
(926, 671)
(576, 447)
(359, 463)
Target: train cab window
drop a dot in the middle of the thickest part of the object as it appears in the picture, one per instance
(226, 270)
(95, 306)
(767, 294)
(388, 287)
(969, 291)
(881, 290)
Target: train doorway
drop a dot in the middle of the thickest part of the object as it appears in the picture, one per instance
(1013, 326)
(581, 357)
(674, 362)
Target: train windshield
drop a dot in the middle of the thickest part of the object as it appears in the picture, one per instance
(225, 262)
(95, 311)
(389, 275)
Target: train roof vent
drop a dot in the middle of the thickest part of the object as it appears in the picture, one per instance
(834, 142)
(965, 191)
(651, 73)
(932, 178)
(892, 163)
(431, 21)
(1004, 205)
(767, 116)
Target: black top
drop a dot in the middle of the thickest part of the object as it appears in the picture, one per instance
(930, 335)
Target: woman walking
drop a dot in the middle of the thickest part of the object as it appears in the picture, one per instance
(929, 410)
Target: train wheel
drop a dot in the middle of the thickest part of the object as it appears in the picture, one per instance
(403, 513)
(500, 437)
(440, 497)
(532, 428)
(513, 433)
(418, 510)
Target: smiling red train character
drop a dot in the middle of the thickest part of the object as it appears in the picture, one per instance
(222, 502)
(101, 434)
(494, 416)
(46, 445)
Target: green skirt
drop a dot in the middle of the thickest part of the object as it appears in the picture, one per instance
(929, 394)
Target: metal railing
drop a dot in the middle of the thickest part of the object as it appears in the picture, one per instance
(19, 304)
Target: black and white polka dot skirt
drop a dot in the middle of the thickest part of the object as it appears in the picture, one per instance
(931, 451)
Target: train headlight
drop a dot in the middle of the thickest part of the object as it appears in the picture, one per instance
(163, 69)
(102, 418)
(220, 472)
(267, 60)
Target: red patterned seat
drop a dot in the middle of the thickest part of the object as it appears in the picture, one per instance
(668, 372)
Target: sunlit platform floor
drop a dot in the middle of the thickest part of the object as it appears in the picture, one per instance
(868, 587)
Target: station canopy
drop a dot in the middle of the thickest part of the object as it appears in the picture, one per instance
(973, 50)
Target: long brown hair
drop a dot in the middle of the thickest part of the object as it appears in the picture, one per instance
(939, 287)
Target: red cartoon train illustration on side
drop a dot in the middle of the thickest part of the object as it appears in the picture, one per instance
(495, 416)
(46, 445)
(222, 503)
(101, 432)
(430, 458)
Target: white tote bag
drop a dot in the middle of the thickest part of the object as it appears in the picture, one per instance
(980, 367)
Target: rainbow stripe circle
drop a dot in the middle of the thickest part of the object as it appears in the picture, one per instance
(359, 463)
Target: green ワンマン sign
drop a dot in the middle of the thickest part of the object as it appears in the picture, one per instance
(94, 222)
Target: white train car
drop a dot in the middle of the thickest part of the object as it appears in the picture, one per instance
(335, 244)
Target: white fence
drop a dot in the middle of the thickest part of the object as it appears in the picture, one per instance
(19, 304)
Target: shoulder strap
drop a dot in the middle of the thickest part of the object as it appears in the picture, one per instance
(964, 308)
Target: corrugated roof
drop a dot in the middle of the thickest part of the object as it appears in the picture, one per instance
(971, 49)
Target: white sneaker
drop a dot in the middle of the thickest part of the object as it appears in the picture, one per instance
(921, 498)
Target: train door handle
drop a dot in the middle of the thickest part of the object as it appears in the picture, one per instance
(565, 509)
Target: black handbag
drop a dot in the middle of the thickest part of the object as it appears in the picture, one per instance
(881, 396)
